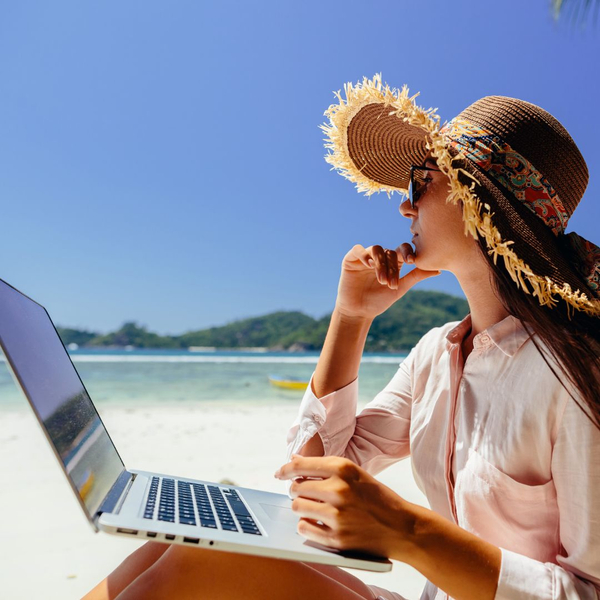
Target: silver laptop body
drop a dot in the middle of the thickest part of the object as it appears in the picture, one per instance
(130, 502)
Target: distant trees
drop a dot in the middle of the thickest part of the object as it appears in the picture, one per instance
(130, 334)
(76, 336)
(265, 331)
(398, 329)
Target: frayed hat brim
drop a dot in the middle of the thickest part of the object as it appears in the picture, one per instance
(376, 133)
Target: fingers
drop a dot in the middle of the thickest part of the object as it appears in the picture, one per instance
(416, 275)
(332, 490)
(316, 532)
(380, 264)
(391, 258)
(318, 511)
(406, 251)
(361, 254)
(385, 263)
(317, 466)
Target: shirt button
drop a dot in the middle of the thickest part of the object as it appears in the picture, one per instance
(318, 420)
(485, 338)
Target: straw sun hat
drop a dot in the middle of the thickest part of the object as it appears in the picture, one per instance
(514, 167)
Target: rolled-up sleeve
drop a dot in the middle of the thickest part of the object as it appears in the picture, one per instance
(576, 475)
(331, 416)
(374, 439)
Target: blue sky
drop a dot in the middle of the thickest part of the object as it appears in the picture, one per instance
(162, 161)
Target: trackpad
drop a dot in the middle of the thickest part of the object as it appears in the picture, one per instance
(280, 513)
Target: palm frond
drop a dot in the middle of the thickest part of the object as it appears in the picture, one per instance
(579, 9)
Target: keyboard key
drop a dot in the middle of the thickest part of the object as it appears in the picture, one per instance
(239, 508)
(210, 524)
(249, 529)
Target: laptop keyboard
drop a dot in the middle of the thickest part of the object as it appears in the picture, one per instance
(192, 503)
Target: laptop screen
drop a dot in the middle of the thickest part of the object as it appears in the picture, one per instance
(46, 374)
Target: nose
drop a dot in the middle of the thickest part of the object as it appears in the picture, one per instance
(406, 210)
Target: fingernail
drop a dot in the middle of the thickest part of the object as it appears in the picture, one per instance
(276, 474)
(410, 258)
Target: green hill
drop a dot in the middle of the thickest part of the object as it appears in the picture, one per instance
(132, 334)
(405, 322)
(398, 329)
(266, 331)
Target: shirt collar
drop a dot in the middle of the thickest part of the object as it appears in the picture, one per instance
(508, 335)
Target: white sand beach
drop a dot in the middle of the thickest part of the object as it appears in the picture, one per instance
(51, 552)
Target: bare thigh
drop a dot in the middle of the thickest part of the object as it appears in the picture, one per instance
(194, 573)
(131, 568)
(350, 581)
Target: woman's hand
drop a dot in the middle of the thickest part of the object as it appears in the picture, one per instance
(348, 509)
(370, 281)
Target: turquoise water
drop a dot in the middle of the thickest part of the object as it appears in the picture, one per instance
(151, 377)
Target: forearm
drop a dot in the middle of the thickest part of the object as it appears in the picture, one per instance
(456, 561)
(342, 351)
(338, 364)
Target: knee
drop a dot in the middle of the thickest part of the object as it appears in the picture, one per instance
(181, 557)
(156, 547)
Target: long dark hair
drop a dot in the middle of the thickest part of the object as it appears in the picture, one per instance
(571, 337)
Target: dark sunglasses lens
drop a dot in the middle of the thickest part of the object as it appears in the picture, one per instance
(414, 191)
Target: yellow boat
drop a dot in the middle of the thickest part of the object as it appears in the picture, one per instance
(288, 383)
(87, 483)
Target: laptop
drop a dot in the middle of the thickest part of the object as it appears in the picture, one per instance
(134, 503)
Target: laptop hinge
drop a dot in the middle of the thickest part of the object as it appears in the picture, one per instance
(113, 500)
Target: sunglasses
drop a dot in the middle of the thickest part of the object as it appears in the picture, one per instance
(415, 188)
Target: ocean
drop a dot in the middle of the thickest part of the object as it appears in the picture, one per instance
(139, 378)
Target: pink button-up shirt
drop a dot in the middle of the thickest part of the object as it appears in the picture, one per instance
(498, 446)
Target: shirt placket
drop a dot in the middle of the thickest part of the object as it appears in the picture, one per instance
(456, 373)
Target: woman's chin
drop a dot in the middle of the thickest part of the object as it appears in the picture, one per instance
(421, 262)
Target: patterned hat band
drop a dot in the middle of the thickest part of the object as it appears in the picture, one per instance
(520, 178)
(508, 168)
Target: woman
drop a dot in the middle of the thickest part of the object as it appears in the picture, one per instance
(500, 412)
